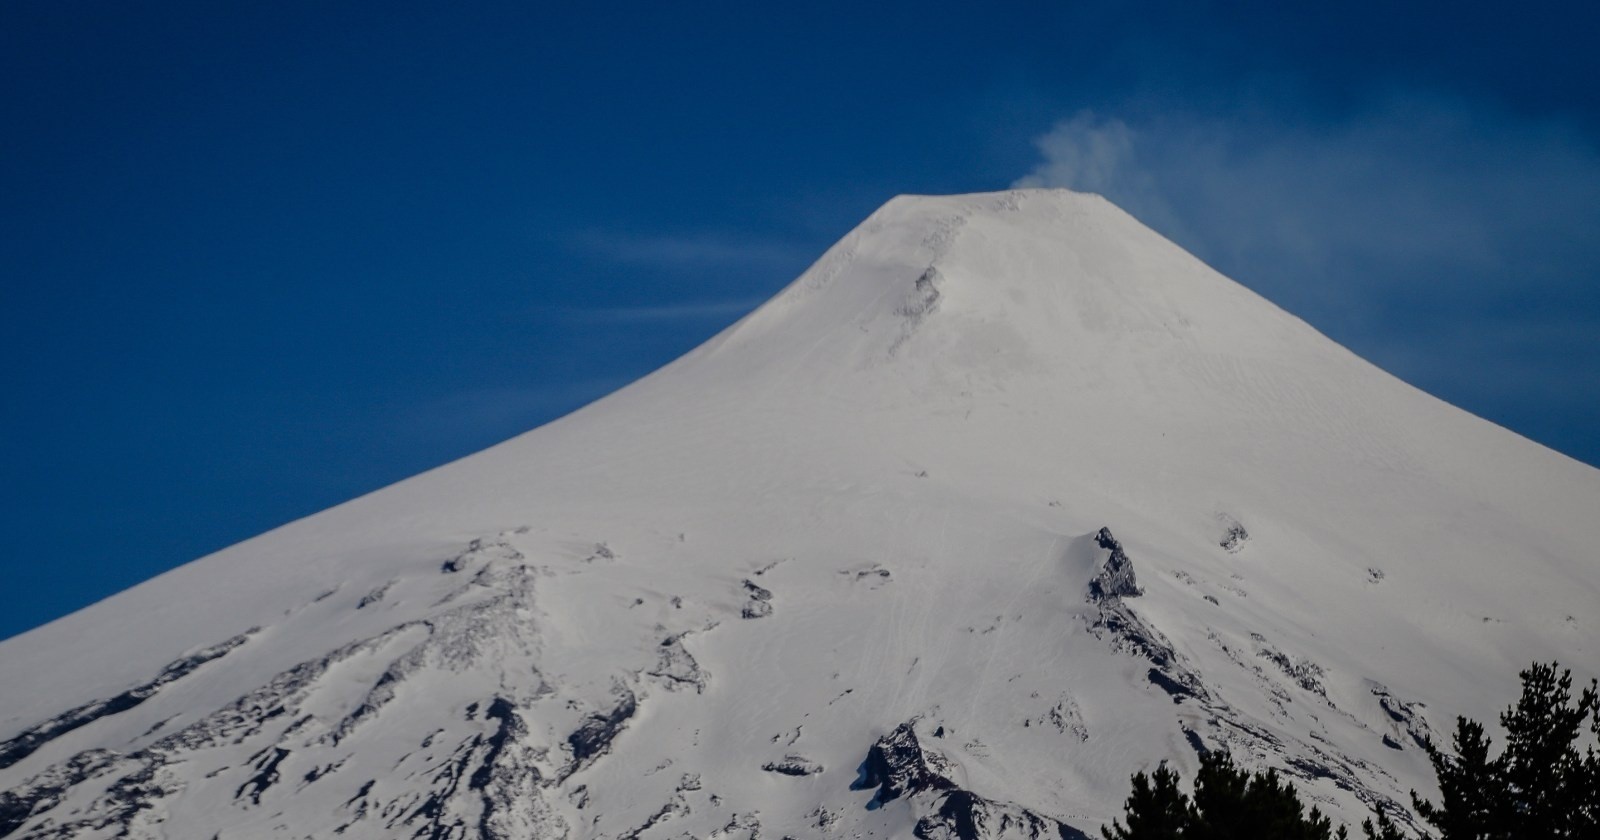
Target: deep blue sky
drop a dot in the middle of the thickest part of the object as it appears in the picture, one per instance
(256, 259)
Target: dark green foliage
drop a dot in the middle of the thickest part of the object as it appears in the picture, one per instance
(1588, 806)
(1471, 798)
(1544, 775)
(1539, 785)
(1155, 809)
(1382, 829)
(1228, 803)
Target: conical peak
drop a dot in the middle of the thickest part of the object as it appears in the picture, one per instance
(925, 228)
(976, 203)
(1037, 274)
(1045, 238)
(1000, 203)
(923, 441)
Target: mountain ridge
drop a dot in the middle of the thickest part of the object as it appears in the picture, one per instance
(912, 451)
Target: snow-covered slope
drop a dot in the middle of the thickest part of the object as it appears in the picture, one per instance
(1003, 499)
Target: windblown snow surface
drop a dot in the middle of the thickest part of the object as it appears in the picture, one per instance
(1004, 499)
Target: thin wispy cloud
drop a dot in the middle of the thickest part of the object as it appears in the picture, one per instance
(1450, 242)
(694, 250)
(1415, 191)
(722, 266)
(715, 310)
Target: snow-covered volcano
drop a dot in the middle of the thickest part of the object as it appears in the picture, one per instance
(1005, 498)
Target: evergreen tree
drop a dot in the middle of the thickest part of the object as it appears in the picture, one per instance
(1156, 810)
(1383, 829)
(1588, 806)
(1539, 786)
(1470, 788)
(1543, 772)
(1229, 803)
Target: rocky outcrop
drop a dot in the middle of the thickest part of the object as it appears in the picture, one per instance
(1129, 633)
(489, 784)
(42, 792)
(963, 815)
(793, 765)
(1405, 718)
(677, 667)
(898, 765)
(31, 739)
(1305, 673)
(1234, 535)
(759, 603)
(917, 306)
(902, 765)
(1116, 578)
(594, 737)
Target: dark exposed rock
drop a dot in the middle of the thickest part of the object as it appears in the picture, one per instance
(1305, 673)
(922, 302)
(1116, 578)
(43, 791)
(497, 778)
(924, 298)
(793, 765)
(1130, 634)
(594, 737)
(1407, 718)
(134, 791)
(510, 726)
(489, 550)
(747, 823)
(501, 772)
(266, 764)
(487, 786)
(30, 740)
(375, 596)
(897, 765)
(1066, 717)
(678, 667)
(1234, 538)
(760, 603)
(964, 815)
(674, 807)
(1312, 769)
(957, 818)
(316, 773)
(128, 796)
(1160, 679)
(431, 816)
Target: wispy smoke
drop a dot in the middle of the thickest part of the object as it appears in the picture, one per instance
(1422, 232)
